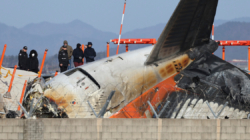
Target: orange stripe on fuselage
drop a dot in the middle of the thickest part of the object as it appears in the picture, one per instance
(139, 108)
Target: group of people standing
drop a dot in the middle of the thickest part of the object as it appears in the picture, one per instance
(66, 52)
(64, 57)
(28, 63)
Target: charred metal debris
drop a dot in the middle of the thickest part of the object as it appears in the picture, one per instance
(210, 78)
(41, 106)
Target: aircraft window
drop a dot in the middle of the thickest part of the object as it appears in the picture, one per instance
(68, 73)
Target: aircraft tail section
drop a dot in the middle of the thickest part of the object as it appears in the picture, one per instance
(190, 25)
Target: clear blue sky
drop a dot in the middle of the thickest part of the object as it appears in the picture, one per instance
(105, 14)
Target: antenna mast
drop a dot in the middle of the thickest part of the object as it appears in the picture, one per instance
(121, 28)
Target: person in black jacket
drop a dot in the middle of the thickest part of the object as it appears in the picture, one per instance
(78, 55)
(63, 59)
(22, 58)
(32, 62)
(89, 53)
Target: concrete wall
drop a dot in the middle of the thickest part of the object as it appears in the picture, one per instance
(123, 129)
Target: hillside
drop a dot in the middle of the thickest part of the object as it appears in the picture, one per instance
(48, 35)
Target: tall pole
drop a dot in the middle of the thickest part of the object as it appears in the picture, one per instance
(223, 53)
(107, 49)
(121, 28)
(249, 58)
(7, 94)
(213, 32)
(83, 52)
(41, 68)
(126, 47)
(1, 61)
(56, 73)
(21, 98)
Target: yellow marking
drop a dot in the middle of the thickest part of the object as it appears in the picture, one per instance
(9, 74)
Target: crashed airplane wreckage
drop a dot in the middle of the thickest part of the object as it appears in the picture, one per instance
(178, 77)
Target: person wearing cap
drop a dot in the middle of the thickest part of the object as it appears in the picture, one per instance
(89, 53)
(32, 62)
(78, 55)
(22, 58)
(63, 59)
(69, 50)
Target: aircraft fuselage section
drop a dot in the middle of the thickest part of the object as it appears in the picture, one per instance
(126, 74)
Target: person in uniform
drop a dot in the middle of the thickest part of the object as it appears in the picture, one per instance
(63, 59)
(69, 50)
(32, 62)
(22, 58)
(89, 53)
(78, 55)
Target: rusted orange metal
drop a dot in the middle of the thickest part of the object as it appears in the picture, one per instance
(107, 49)
(1, 61)
(12, 78)
(126, 47)
(56, 73)
(83, 52)
(135, 41)
(41, 68)
(21, 98)
(138, 107)
(223, 53)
